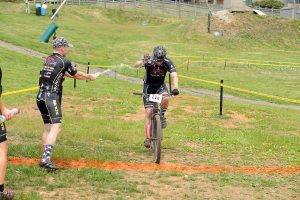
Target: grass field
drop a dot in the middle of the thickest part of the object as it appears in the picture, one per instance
(103, 121)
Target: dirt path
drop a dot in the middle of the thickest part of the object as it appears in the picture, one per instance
(74, 164)
(199, 92)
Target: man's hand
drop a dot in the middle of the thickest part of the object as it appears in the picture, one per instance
(147, 59)
(93, 77)
(175, 92)
(147, 56)
(7, 114)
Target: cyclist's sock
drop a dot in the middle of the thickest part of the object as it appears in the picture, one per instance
(163, 111)
(2, 188)
(47, 152)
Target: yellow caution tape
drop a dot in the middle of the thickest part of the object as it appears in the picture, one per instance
(247, 63)
(20, 91)
(238, 59)
(243, 90)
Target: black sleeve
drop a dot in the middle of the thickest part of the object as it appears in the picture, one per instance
(69, 68)
(0, 81)
(170, 66)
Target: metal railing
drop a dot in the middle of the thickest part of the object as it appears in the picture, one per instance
(292, 13)
(163, 7)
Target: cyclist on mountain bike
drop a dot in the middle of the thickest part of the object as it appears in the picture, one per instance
(56, 66)
(156, 67)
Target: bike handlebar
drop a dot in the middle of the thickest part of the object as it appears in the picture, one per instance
(142, 94)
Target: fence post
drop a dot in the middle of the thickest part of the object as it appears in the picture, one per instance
(163, 7)
(88, 69)
(195, 9)
(74, 78)
(134, 5)
(293, 13)
(225, 65)
(170, 84)
(221, 100)
(179, 9)
(151, 6)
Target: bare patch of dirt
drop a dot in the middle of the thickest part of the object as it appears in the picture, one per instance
(138, 116)
(102, 99)
(88, 115)
(73, 106)
(237, 120)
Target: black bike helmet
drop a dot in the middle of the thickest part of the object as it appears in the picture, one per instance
(159, 52)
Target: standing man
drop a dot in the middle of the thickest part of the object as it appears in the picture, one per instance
(49, 96)
(4, 194)
(156, 68)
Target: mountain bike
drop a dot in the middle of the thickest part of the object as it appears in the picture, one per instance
(156, 128)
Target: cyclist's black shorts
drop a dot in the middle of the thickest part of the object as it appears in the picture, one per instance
(153, 90)
(50, 107)
(2, 132)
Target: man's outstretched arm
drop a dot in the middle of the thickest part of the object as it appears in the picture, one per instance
(82, 76)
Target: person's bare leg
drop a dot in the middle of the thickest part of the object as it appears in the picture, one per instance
(4, 193)
(165, 102)
(148, 125)
(50, 141)
(47, 128)
(54, 131)
(3, 161)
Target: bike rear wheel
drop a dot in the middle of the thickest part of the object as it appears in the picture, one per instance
(156, 137)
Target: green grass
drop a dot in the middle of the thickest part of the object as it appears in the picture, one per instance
(101, 119)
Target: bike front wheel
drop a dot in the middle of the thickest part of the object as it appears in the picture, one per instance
(156, 138)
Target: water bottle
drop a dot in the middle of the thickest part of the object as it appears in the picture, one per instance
(13, 112)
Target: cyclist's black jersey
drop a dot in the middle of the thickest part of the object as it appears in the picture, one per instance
(155, 75)
(52, 75)
(0, 82)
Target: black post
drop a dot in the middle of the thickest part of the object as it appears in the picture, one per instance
(75, 79)
(208, 22)
(88, 69)
(170, 85)
(221, 99)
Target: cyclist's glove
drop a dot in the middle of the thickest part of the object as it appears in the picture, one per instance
(175, 92)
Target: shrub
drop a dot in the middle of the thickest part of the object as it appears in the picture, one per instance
(269, 4)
